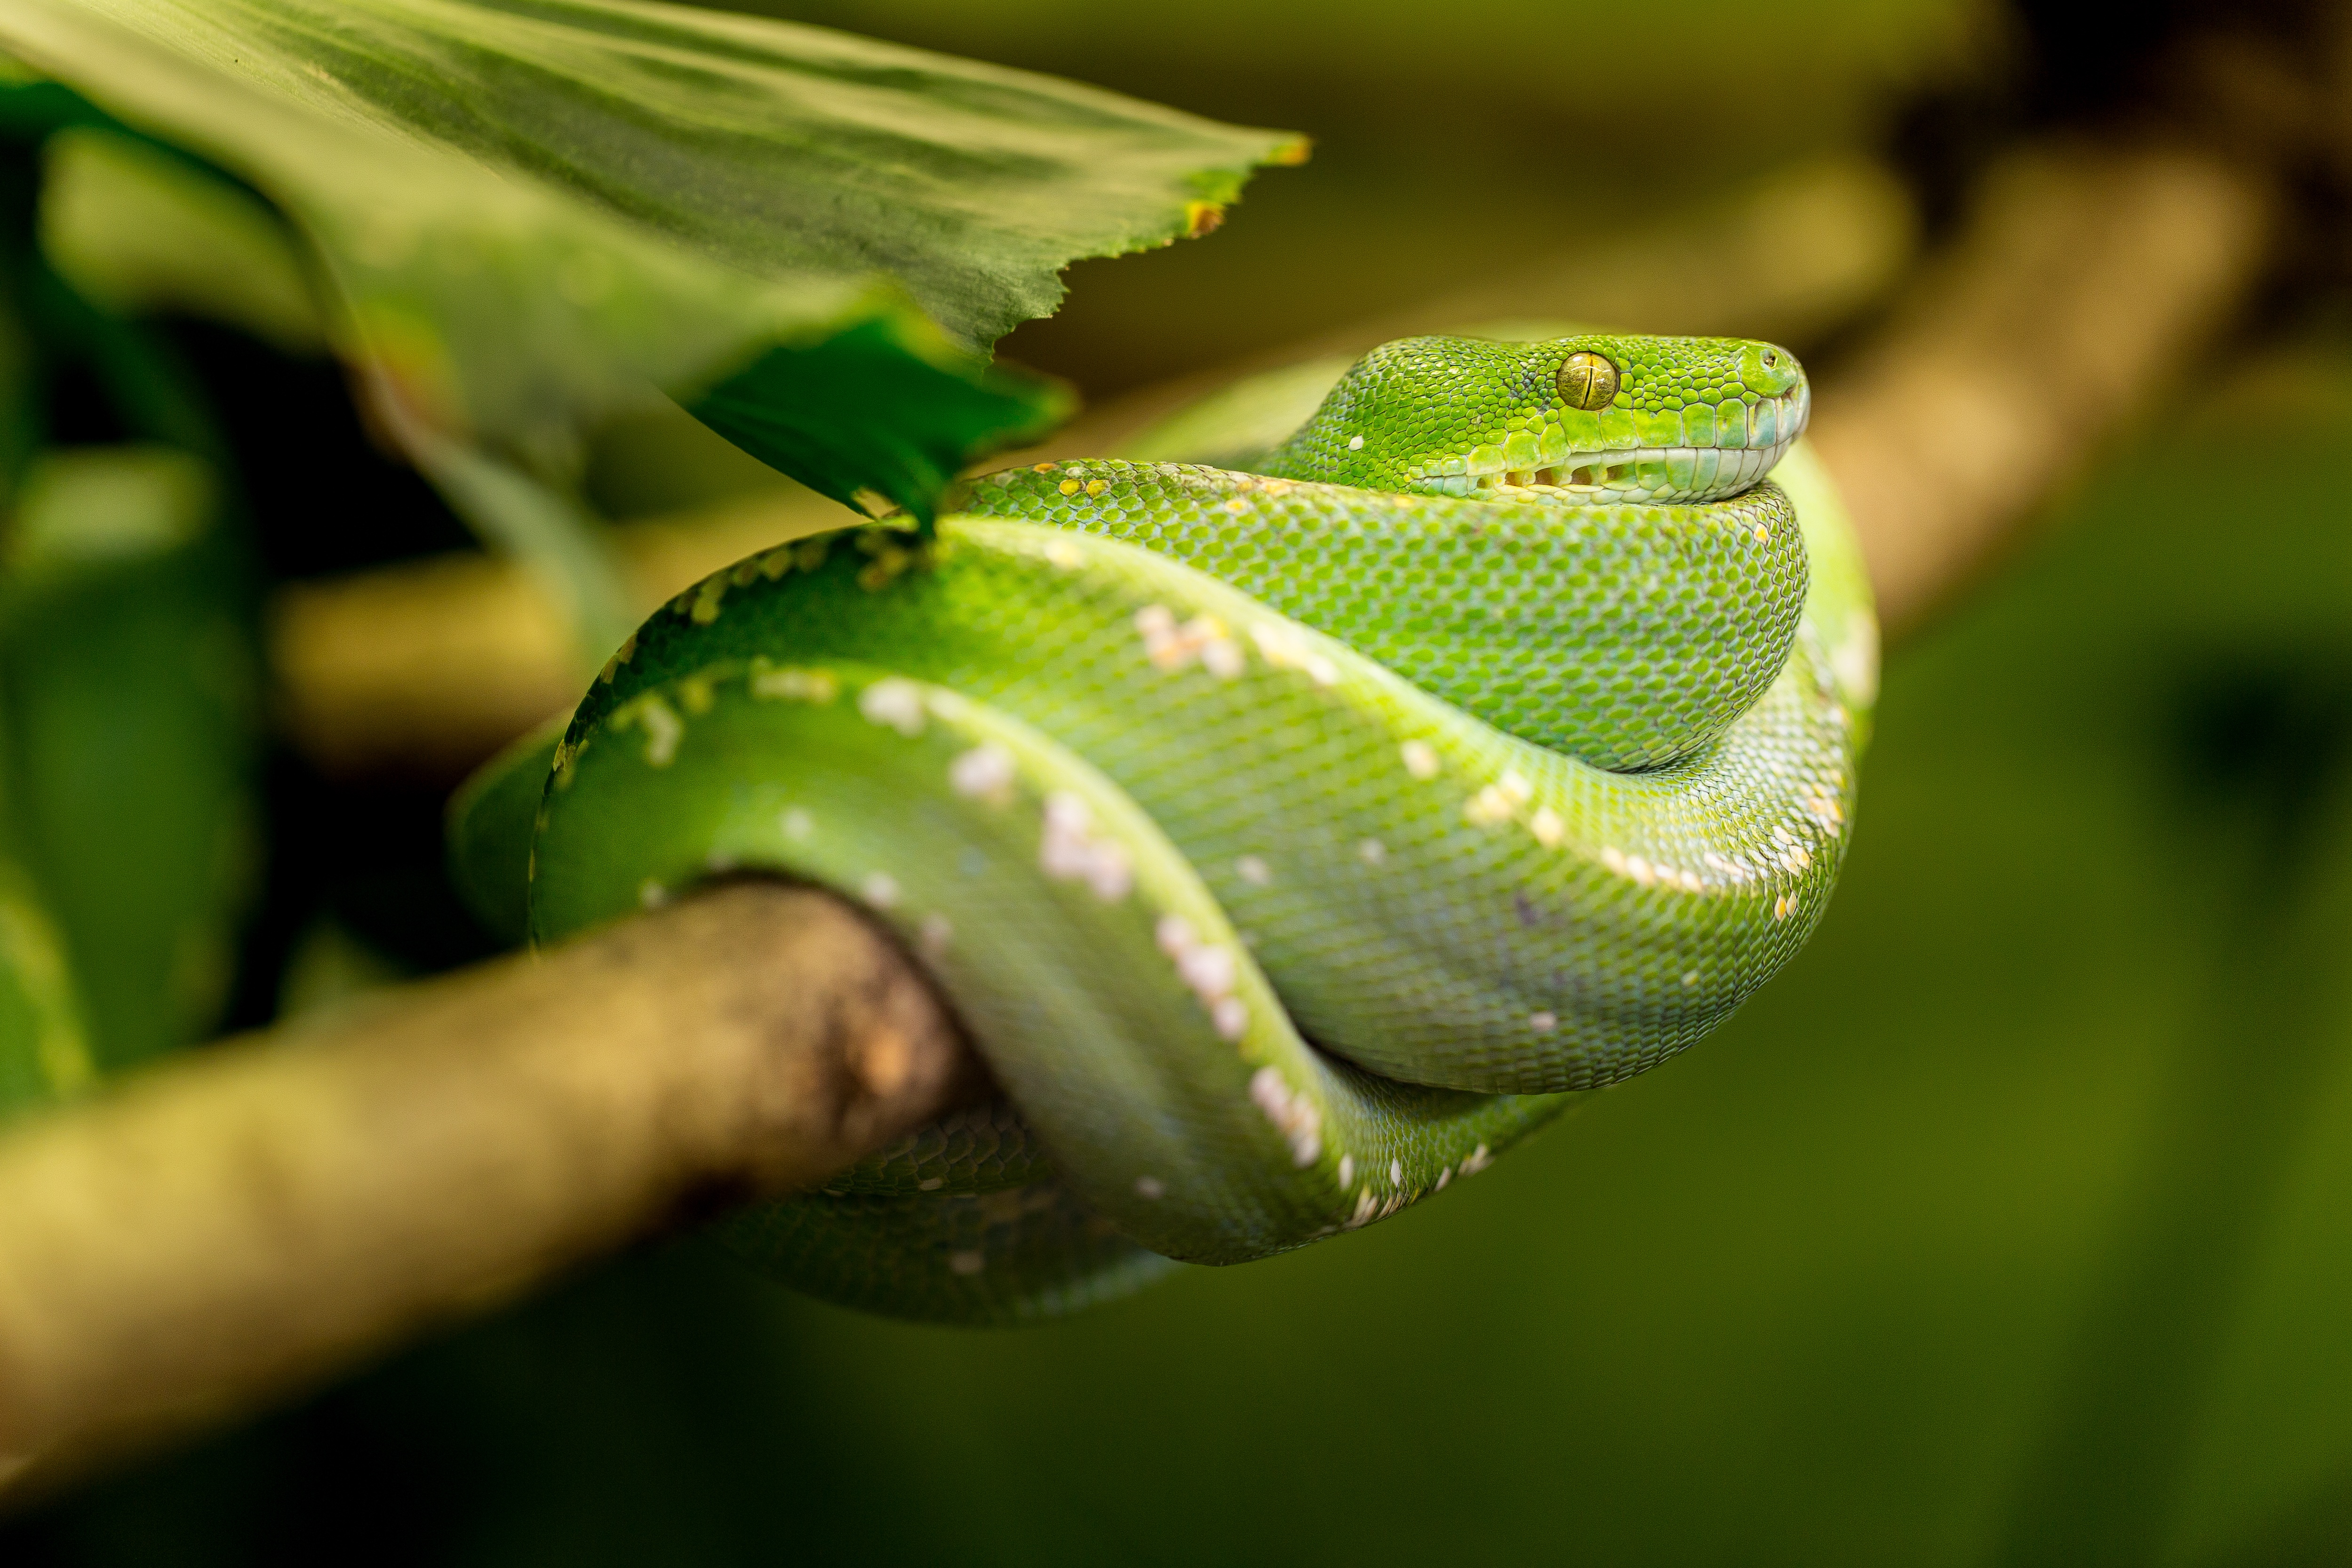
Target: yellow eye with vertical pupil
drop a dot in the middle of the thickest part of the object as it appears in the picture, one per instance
(1588, 379)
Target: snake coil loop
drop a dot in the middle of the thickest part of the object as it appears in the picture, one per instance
(1290, 841)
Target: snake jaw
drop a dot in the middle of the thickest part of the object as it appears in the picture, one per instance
(1646, 475)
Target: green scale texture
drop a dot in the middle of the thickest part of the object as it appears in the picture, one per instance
(1624, 636)
(1289, 848)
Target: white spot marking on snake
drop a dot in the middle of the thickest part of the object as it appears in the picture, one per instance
(706, 599)
(1548, 828)
(985, 773)
(663, 729)
(652, 895)
(1641, 871)
(1365, 1205)
(1294, 1116)
(1420, 758)
(1062, 552)
(1253, 871)
(938, 931)
(1478, 1160)
(896, 702)
(931, 1184)
(1289, 646)
(1396, 1173)
(1355, 444)
(947, 705)
(1170, 647)
(1690, 976)
(818, 687)
(1515, 789)
(966, 1262)
(1210, 971)
(880, 889)
(1230, 1016)
(1543, 1023)
(1111, 875)
(1487, 807)
(1175, 936)
(1347, 1170)
(1443, 1176)
(1614, 859)
(1221, 657)
(1151, 1188)
(797, 823)
(1070, 849)
(1371, 851)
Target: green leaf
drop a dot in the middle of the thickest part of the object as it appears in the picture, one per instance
(805, 409)
(129, 700)
(44, 1048)
(530, 218)
(136, 231)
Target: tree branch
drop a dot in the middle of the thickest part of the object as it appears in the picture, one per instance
(249, 1218)
(2082, 288)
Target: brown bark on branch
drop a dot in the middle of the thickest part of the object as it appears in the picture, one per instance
(248, 1219)
(2082, 288)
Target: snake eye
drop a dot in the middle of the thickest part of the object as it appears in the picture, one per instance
(1587, 379)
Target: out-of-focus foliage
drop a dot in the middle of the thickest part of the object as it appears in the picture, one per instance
(140, 232)
(129, 699)
(44, 1044)
(128, 680)
(532, 219)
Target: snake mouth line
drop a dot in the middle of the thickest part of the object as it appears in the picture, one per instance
(1643, 474)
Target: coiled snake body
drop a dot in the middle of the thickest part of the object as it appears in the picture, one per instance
(1290, 841)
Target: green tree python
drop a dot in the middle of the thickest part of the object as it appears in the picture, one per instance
(1291, 836)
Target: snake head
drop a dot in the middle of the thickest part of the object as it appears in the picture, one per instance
(1594, 418)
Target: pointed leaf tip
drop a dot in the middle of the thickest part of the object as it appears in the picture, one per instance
(866, 411)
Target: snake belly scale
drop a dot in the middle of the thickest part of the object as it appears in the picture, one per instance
(1289, 841)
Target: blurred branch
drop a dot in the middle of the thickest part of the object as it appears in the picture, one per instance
(251, 1218)
(421, 670)
(2082, 288)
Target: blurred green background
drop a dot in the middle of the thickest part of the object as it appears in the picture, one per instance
(2008, 1224)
